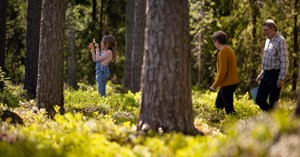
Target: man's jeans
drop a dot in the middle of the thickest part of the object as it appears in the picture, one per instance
(268, 87)
(102, 74)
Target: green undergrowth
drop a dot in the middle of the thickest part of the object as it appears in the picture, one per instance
(105, 127)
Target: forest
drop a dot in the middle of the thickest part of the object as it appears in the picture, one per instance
(158, 101)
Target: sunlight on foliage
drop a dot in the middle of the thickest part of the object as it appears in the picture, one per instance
(106, 126)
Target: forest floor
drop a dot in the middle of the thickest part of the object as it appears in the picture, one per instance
(96, 126)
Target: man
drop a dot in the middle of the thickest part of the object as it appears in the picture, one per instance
(274, 67)
(227, 76)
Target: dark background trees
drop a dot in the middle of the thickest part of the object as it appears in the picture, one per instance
(138, 45)
(240, 19)
(3, 8)
(32, 46)
(130, 7)
(295, 60)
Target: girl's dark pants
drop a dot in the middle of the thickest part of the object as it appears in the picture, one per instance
(225, 98)
(268, 87)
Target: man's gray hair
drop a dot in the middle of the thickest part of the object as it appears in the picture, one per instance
(270, 23)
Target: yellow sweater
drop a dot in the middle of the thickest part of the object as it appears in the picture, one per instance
(226, 68)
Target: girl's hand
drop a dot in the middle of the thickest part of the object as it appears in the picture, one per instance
(91, 46)
(97, 46)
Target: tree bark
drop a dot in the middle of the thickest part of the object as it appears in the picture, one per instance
(138, 44)
(297, 112)
(255, 57)
(166, 81)
(128, 42)
(94, 33)
(296, 47)
(94, 10)
(199, 53)
(101, 19)
(32, 46)
(3, 8)
(51, 65)
(72, 61)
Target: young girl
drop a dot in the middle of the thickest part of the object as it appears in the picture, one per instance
(102, 59)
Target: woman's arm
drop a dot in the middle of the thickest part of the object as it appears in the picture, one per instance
(222, 62)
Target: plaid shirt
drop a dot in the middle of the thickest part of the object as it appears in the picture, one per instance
(276, 56)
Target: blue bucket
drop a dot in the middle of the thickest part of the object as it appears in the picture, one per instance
(253, 92)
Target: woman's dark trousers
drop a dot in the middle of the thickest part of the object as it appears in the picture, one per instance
(225, 98)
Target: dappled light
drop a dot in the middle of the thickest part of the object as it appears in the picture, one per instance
(96, 125)
(142, 78)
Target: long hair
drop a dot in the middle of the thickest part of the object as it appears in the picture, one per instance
(109, 42)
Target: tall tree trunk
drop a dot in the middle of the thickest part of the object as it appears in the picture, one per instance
(101, 20)
(51, 65)
(3, 8)
(297, 112)
(138, 44)
(94, 11)
(254, 54)
(72, 61)
(128, 42)
(166, 82)
(32, 46)
(198, 54)
(91, 75)
(296, 46)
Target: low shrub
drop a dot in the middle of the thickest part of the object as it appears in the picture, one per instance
(106, 126)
